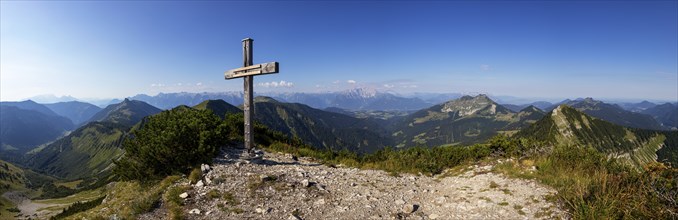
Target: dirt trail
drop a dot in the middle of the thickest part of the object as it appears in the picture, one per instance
(28, 208)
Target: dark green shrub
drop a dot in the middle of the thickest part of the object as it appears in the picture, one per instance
(172, 142)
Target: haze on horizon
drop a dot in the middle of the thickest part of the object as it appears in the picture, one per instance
(609, 49)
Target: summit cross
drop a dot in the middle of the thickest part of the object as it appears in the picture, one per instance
(247, 72)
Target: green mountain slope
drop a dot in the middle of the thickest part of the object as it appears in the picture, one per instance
(90, 149)
(570, 127)
(466, 120)
(22, 130)
(11, 177)
(319, 128)
(127, 112)
(77, 112)
(218, 107)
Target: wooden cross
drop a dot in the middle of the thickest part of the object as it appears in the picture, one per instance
(248, 71)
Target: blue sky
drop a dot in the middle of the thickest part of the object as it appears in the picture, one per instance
(602, 49)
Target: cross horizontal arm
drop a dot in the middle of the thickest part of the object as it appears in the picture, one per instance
(257, 69)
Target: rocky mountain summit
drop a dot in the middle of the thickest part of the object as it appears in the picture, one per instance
(282, 186)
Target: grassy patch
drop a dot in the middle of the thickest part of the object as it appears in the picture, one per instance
(213, 194)
(592, 186)
(195, 175)
(493, 185)
(230, 199)
(129, 199)
(227, 209)
(503, 203)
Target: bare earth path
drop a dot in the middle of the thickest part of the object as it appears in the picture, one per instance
(28, 208)
(282, 188)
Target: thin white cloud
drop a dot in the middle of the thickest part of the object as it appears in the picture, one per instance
(282, 83)
(198, 84)
(485, 67)
(350, 81)
(388, 86)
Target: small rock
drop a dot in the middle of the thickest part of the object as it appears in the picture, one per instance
(200, 184)
(204, 168)
(208, 181)
(320, 187)
(400, 202)
(319, 202)
(194, 211)
(305, 183)
(183, 195)
(266, 178)
(433, 216)
(410, 208)
(208, 212)
(260, 210)
(354, 184)
(294, 217)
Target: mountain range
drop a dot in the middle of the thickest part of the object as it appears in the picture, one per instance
(90, 149)
(23, 126)
(666, 114)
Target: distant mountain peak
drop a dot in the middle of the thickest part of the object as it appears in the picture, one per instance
(468, 105)
(531, 108)
(361, 92)
(265, 99)
(127, 112)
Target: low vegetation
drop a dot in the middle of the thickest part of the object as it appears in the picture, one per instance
(595, 187)
(78, 207)
(172, 142)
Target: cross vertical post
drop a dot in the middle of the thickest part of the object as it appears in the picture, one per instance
(247, 72)
(248, 105)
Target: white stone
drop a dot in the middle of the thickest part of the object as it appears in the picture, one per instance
(208, 181)
(400, 202)
(195, 211)
(319, 202)
(305, 183)
(200, 184)
(183, 195)
(409, 208)
(204, 168)
(433, 216)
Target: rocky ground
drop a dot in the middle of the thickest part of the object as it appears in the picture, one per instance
(283, 187)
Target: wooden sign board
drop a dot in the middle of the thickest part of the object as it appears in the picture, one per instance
(256, 69)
